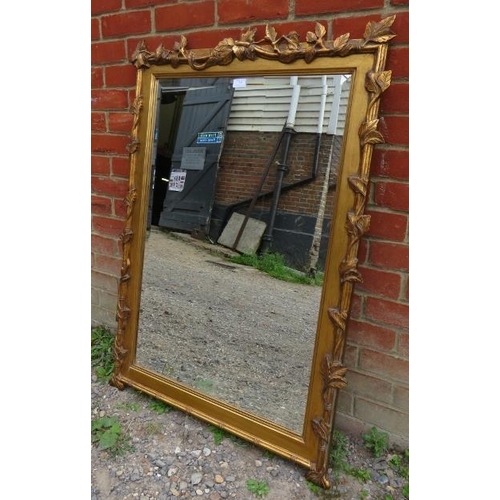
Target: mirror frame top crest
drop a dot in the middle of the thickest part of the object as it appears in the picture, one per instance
(364, 59)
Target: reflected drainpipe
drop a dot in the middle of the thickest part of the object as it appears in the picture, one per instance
(267, 237)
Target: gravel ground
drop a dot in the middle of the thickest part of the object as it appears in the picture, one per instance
(173, 455)
(167, 455)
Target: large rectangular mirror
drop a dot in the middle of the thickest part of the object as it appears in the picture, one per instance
(253, 146)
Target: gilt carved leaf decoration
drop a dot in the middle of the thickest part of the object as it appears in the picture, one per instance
(284, 48)
(379, 31)
(330, 376)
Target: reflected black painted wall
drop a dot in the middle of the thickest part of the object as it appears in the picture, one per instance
(292, 235)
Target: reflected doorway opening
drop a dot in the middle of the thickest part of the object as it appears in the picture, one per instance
(168, 114)
(189, 134)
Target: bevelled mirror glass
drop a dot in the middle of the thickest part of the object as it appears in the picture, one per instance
(253, 148)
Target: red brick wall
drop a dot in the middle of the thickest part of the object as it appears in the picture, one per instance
(377, 354)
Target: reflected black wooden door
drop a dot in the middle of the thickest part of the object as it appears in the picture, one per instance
(195, 160)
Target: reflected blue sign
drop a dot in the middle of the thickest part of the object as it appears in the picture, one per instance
(209, 137)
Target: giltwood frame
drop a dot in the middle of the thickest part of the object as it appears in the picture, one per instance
(364, 59)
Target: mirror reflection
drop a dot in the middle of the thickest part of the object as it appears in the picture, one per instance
(246, 165)
(227, 330)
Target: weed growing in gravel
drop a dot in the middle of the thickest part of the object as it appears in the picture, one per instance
(107, 433)
(218, 433)
(406, 490)
(314, 488)
(362, 475)
(338, 458)
(274, 265)
(400, 464)
(128, 406)
(101, 351)
(258, 488)
(159, 406)
(376, 441)
(363, 494)
(339, 453)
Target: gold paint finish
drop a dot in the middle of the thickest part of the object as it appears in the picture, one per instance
(364, 59)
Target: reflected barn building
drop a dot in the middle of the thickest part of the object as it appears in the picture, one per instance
(267, 148)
